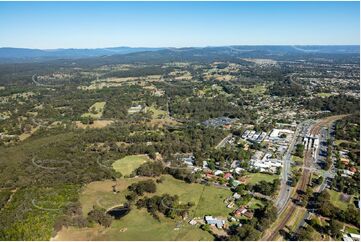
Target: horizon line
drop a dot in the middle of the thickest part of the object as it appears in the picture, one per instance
(172, 47)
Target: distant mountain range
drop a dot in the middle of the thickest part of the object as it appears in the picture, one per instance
(21, 55)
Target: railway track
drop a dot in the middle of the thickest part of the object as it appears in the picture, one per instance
(302, 184)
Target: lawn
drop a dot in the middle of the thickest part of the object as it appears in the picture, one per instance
(253, 178)
(95, 111)
(129, 163)
(255, 203)
(336, 201)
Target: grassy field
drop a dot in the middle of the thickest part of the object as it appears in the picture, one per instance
(253, 178)
(323, 94)
(207, 199)
(157, 113)
(129, 163)
(97, 124)
(96, 110)
(100, 193)
(336, 201)
(139, 224)
(256, 90)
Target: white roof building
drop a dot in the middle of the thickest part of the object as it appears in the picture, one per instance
(218, 172)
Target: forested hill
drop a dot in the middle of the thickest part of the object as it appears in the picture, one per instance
(14, 55)
(128, 54)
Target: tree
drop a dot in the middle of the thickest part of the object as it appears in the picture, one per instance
(335, 228)
(247, 232)
(99, 216)
(304, 234)
(143, 186)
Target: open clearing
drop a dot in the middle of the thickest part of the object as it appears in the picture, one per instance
(97, 124)
(96, 110)
(256, 90)
(254, 178)
(336, 200)
(129, 163)
(157, 113)
(26, 135)
(139, 224)
(324, 94)
(298, 160)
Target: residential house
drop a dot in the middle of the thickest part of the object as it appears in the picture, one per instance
(214, 221)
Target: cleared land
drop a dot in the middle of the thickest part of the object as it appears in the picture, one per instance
(254, 178)
(336, 199)
(97, 124)
(256, 90)
(96, 110)
(139, 224)
(324, 94)
(129, 163)
(157, 113)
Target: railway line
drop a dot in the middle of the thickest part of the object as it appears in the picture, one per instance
(302, 184)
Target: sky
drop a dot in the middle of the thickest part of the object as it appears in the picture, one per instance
(49, 25)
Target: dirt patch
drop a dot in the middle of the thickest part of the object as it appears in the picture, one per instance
(97, 124)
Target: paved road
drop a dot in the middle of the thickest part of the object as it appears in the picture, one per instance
(224, 141)
(285, 189)
(290, 209)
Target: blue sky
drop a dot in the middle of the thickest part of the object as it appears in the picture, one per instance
(48, 25)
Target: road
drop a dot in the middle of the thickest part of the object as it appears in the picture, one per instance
(224, 141)
(290, 208)
(285, 189)
(43, 85)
